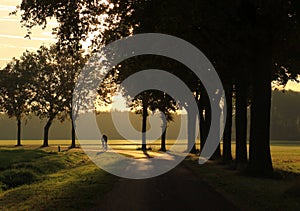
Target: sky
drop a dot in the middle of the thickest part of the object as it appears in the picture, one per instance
(13, 43)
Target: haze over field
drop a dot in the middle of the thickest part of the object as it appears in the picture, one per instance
(285, 123)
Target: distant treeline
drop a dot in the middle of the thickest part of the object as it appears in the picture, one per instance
(285, 115)
(285, 122)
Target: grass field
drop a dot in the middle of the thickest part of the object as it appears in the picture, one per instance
(125, 144)
(69, 180)
(249, 193)
(52, 181)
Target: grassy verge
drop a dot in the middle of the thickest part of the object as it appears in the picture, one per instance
(62, 181)
(251, 193)
(69, 181)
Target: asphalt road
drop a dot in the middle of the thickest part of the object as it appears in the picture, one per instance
(179, 189)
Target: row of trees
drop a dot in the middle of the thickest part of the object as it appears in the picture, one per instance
(250, 43)
(40, 83)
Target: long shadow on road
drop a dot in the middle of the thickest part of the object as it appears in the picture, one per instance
(178, 189)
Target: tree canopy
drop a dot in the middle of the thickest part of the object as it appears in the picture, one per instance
(251, 43)
(16, 88)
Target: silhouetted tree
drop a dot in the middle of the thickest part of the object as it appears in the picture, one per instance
(68, 65)
(152, 100)
(264, 33)
(227, 155)
(167, 105)
(77, 19)
(16, 88)
(241, 92)
(142, 100)
(50, 100)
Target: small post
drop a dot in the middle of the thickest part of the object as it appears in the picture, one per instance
(58, 148)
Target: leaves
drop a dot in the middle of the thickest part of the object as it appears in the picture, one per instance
(55, 81)
(16, 86)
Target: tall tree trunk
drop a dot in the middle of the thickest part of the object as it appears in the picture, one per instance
(227, 155)
(19, 132)
(73, 142)
(46, 132)
(241, 123)
(144, 127)
(204, 119)
(163, 136)
(217, 153)
(191, 132)
(201, 124)
(260, 162)
(73, 136)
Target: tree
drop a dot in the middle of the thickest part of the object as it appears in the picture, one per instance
(152, 100)
(270, 26)
(16, 88)
(50, 100)
(170, 17)
(77, 19)
(135, 64)
(69, 66)
(241, 92)
(168, 117)
(81, 18)
(253, 23)
(243, 28)
(142, 100)
(167, 105)
(227, 155)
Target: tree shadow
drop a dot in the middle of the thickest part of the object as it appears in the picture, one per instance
(69, 148)
(101, 152)
(146, 153)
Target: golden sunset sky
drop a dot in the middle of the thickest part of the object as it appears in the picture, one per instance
(13, 43)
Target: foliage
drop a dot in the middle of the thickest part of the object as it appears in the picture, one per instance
(154, 100)
(260, 39)
(16, 85)
(230, 27)
(50, 98)
(77, 19)
(16, 88)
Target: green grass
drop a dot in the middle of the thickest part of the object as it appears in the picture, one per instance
(251, 193)
(70, 181)
(9, 157)
(286, 158)
(64, 181)
(36, 142)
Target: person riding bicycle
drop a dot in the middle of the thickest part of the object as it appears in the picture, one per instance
(104, 142)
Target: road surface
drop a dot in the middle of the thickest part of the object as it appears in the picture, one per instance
(179, 189)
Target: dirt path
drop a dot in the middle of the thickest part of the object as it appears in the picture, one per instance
(178, 189)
